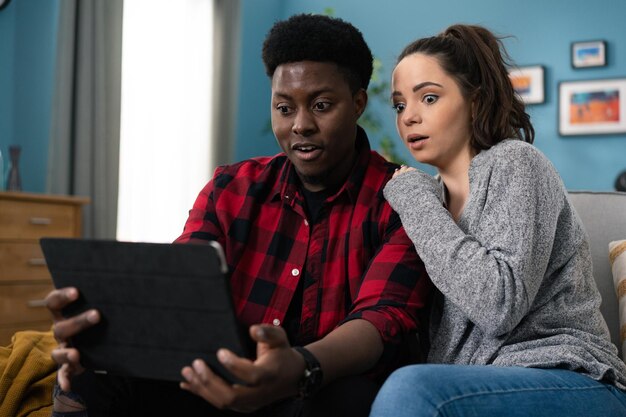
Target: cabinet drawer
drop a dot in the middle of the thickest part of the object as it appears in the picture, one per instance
(22, 261)
(32, 220)
(16, 304)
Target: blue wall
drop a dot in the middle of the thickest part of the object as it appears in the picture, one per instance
(254, 133)
(542, 33)
(7, 29)
(27, 61)
(542, 30)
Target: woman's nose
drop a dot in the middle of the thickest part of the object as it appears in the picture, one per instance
(410, 116)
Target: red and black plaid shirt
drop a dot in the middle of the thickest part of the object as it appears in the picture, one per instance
(356, 259)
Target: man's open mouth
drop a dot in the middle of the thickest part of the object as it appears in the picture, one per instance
(306, 151)
(304, 148)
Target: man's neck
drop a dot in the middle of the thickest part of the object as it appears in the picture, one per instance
(336, 179)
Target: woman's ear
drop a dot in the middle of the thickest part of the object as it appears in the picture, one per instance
(473, 108)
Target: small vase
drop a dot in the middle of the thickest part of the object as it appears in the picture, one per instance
(1, 172)
(14, 182)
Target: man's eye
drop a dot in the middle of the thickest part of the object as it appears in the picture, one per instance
(321, 105)
(430, 98)
(283, 109)
(399, 107)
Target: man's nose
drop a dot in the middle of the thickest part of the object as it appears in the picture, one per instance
(303, 123)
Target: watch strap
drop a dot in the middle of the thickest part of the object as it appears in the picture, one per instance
(311, 381)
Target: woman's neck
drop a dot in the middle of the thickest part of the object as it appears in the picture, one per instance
(456, 178)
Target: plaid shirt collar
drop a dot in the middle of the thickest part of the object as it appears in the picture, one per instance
(288, 189)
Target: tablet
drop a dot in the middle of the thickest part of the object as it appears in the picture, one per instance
(162, 305)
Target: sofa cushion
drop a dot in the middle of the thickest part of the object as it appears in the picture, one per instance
(604, 217)
(617, 258)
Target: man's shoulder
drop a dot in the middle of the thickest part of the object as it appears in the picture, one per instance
(251, 170)
(378, 171)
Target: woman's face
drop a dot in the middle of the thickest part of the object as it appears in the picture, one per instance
(433, 117)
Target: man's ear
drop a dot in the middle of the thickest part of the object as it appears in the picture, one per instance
(360, 101)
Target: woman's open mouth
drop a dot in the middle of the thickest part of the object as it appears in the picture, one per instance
(416, 142)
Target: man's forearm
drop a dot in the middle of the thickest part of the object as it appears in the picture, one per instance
(350, 349)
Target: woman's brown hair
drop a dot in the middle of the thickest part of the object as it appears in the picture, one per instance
(477, 60)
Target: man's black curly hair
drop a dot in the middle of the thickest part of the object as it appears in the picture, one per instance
(319, 38)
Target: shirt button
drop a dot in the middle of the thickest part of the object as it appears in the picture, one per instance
(276, 322)
(295, 272)
(306, 222)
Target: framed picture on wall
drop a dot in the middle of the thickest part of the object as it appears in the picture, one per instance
(593, 107)
(589, 54)
(528, 83)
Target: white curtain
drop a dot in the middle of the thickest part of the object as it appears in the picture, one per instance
(225, 80)
(84, 135)
(180, 74)
(166, 115)
(180, 84)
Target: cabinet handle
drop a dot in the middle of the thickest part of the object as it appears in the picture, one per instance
(37, 262)
(36, 303)
(40, 220)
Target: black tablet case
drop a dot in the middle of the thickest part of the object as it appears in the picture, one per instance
(162, 305)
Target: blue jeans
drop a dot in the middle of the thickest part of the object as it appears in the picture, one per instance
(487, 391)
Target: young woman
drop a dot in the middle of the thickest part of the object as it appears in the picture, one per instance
(516, 328)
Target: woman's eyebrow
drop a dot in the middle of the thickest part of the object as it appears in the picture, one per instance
(425, 84)
(417, 88)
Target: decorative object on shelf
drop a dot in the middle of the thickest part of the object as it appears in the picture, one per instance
(529, 83)
(620, 181)
(592, 107)
(1, 172)
(589, 54)
(14, 182)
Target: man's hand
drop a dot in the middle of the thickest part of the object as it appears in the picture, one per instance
(274, 375)
(65, 356)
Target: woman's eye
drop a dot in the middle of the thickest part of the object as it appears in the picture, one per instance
(321, 105)
(399, 107)
(430, 98)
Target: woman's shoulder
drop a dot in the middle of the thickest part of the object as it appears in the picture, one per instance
(512, 149)
(513, 155)
(514, 164)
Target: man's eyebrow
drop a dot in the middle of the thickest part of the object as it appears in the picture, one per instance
(417, 87)
(323, 90)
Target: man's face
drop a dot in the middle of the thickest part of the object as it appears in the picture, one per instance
(314, 116)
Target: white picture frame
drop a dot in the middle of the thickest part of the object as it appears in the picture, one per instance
(529, 83)
(592, 107)
(589, 54)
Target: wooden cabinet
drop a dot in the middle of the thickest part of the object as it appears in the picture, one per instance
(24, 278)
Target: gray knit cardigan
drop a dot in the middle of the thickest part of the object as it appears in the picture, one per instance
(514, 275)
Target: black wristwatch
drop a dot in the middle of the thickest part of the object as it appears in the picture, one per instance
(311, 381)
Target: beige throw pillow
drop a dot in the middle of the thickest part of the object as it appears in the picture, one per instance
(617, 256)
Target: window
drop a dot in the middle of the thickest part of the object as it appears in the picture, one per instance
(166, 115)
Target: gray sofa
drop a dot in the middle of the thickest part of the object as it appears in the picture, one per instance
(604, 217)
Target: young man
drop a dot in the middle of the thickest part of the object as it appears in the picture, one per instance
(321, 270)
